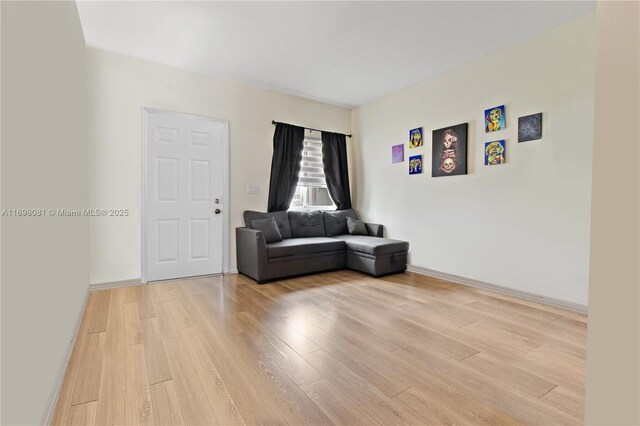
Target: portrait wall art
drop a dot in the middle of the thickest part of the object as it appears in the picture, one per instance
(415, 164)
(530, 127)
(415, 138)
(494, 119)
(449, 151)
(495, 153)
(397, 153)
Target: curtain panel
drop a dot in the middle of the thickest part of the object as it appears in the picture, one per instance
(336, 172)
(285, 165)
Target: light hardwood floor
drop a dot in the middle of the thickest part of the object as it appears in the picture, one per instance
(333, 348)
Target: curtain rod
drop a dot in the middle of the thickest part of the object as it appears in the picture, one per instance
(274, 122)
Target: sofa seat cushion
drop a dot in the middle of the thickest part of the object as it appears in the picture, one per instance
(372, 245)
(297, 246)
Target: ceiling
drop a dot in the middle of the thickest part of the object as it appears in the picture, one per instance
(344, 53)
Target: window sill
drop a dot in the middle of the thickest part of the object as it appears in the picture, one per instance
(312, 208)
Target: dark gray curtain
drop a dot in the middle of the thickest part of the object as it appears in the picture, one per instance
(288, 141)
(334, 157)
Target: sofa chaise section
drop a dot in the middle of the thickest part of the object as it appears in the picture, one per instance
(375, 256)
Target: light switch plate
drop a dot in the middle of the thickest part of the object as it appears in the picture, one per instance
(253, 190)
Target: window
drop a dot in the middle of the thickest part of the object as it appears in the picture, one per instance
(311, 191)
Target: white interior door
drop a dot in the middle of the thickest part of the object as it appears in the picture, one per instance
(184, 195)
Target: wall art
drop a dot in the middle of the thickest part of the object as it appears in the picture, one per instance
(415, 138)
(449, 151)
(495, 153)
(397, 153)
(415, 164)
(530, 127)
(494, 119)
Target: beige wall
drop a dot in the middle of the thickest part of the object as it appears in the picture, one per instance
(119, 86)
(44, 155)
(523, 225)
(45, 262)
(613, 354)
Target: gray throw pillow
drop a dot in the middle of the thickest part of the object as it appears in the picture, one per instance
(356, 227)
(282, 219)
(335, 222)
(269, 228)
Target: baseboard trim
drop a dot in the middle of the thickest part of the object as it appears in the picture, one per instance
(47, 415)
(558, 303)
(115, 284)
(138, 281)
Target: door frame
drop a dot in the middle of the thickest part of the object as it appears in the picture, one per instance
(145, 111)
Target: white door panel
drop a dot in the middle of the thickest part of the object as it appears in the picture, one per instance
(184, 186)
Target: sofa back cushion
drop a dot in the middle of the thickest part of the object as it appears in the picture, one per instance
(281, 218)
(306, 224)
(335, 222)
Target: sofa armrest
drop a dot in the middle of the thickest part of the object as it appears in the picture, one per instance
(251, 253)
(375, 229)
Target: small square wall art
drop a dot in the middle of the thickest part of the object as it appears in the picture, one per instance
(495, 153)
(530, 127)
(415, 137)
(415, 164)
(397, 153)
(494, 119)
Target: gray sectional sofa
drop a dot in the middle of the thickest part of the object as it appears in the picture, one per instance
(315, 241)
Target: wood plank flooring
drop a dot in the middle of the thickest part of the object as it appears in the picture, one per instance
(333, 348)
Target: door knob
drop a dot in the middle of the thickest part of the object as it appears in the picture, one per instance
(217, 211)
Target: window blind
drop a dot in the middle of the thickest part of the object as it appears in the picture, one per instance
(312, 170)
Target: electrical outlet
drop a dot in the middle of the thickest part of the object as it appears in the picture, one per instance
(253, 190)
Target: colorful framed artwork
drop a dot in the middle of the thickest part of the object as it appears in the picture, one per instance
(415, 164)
(449, 151)
(530, 127)
(415, 138)
(494, 119)
(495, 153)
(397, 153)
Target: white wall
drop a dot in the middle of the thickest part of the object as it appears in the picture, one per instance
(45, 262)
(119, 86)
(613, 352)
(523, 225)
